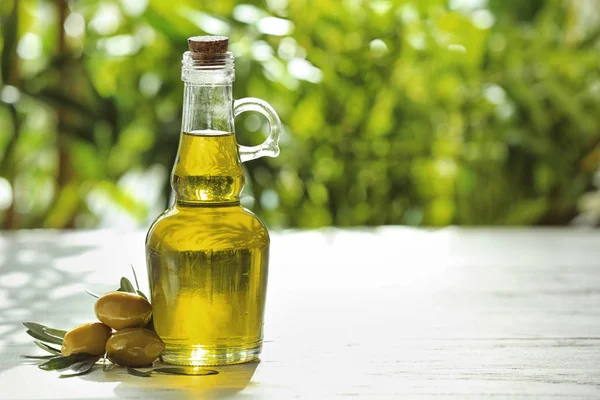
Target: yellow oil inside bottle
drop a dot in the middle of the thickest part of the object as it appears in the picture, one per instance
(207, 259)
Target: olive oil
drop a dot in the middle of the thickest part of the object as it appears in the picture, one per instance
(208, 168)
(207, 259)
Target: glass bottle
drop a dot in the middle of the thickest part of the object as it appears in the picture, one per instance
(207, 256)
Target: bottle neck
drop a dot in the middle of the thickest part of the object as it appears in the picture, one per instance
(207, 107)
(207, 169)
(207, 94)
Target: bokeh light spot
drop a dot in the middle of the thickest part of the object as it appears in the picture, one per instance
(30, 46)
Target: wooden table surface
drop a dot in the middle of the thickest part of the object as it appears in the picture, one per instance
(384, 313)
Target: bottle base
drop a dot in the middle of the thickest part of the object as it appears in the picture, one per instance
(210, 356)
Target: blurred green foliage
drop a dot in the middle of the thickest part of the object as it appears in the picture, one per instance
(411, 112)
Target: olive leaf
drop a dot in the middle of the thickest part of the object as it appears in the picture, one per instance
(141, 294)
(44, 337)
(104, 361)
(81, 367)
(39, 357)
(34, 326)
(137, 284)
(42, 330)
(59, 333)
(62, 362)
(47, 348)
(126, 286)
(186, 371)
(137, 372)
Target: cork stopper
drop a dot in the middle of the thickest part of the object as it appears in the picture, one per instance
(206, 46)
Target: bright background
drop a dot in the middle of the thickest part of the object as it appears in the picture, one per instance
(422, 112)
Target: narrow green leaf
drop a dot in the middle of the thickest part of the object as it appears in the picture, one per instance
(126, 285)
(81, 367)
(38, 357)
(137, 285)
(104, 361)
(93, 294)
(59, 333)
(186, 371)
(47, 348)
(35, 327)
(137, 372)
(141, 294)
(62, 362)
(44, 330)
(44, 337)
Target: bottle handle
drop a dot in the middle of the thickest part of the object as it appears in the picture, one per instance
(270, 147)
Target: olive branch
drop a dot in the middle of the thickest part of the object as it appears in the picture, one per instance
(82, 363)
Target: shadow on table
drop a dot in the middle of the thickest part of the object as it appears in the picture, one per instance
(32, 288)
(229, 381)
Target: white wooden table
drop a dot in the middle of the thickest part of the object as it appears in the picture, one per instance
(385, 313)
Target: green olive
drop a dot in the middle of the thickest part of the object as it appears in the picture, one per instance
(134, 347)
(88, 338)
(122, 310)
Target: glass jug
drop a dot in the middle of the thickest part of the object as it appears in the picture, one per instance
(207, 256)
